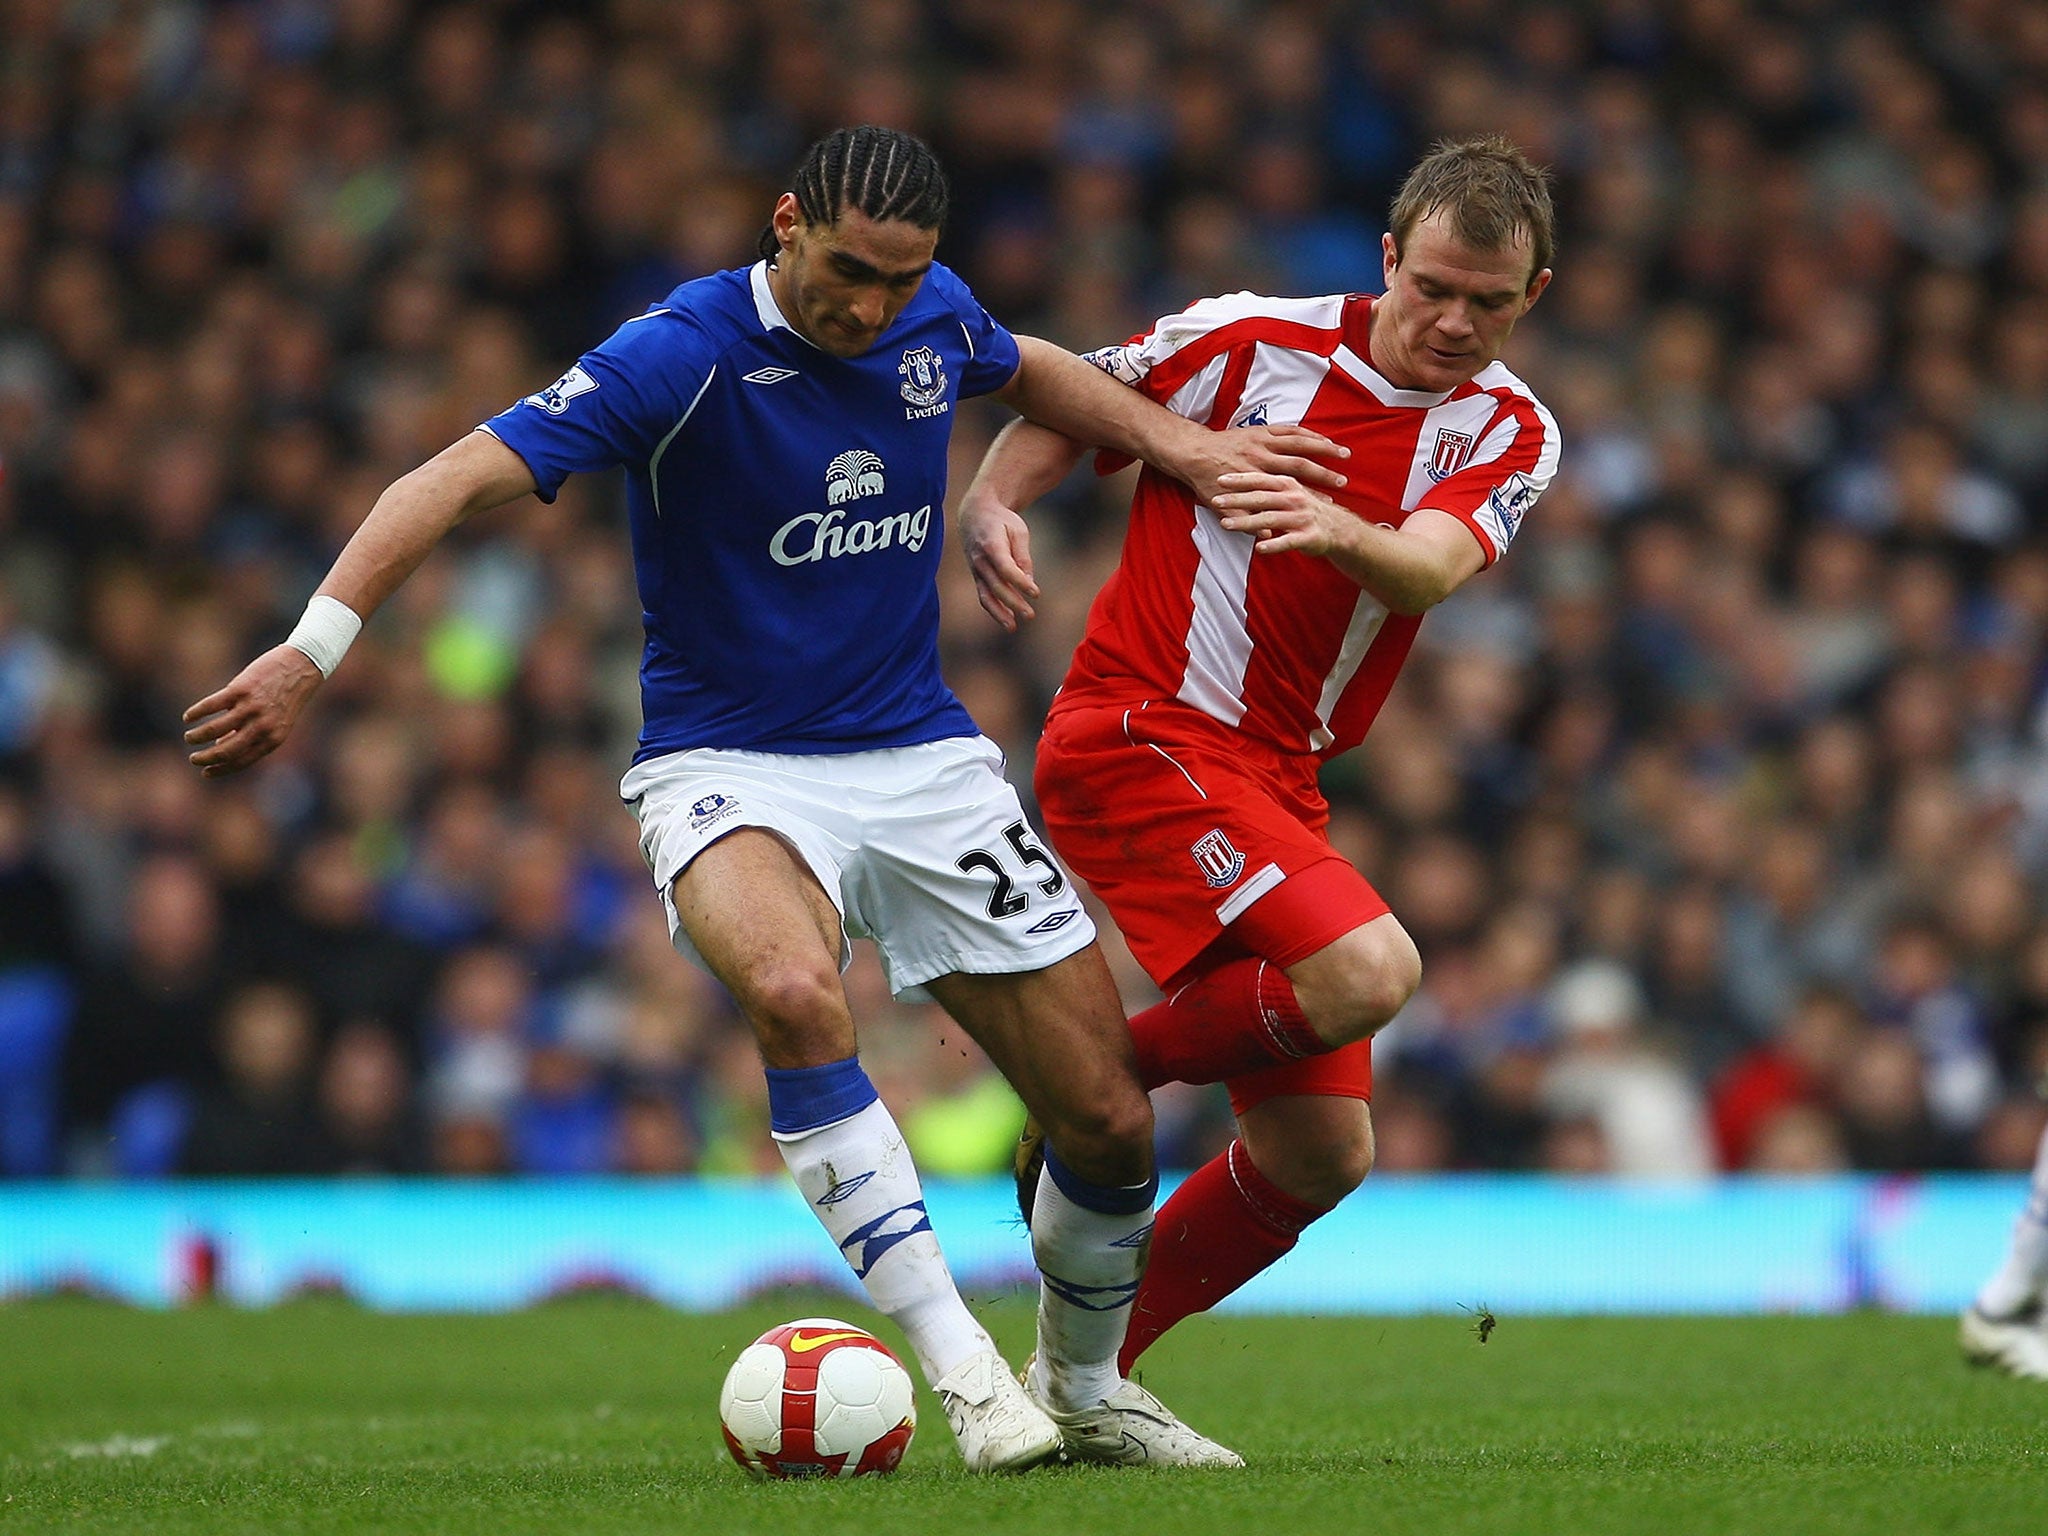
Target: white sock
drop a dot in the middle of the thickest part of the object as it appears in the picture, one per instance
(1090, 1260)
(2022, 1280)
(857, 1175)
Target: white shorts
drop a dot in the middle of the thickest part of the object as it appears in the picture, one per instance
(923, 849)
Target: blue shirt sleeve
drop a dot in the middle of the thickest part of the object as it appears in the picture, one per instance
(615, 406)
(992, 350)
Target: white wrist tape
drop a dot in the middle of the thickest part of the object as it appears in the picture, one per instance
(325, 632)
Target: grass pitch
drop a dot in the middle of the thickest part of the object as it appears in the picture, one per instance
(599, 1416)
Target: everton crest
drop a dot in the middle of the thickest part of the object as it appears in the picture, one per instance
(924, 376)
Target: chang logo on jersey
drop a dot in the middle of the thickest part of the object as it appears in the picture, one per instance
(854, 474)
(811, 536)
(851, 476)
(556, 397)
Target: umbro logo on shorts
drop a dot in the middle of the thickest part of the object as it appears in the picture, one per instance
(1057, 921)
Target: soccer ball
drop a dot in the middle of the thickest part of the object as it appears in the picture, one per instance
(817, 1398)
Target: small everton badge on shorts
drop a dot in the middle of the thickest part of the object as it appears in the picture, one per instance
(711, 808)
(1219, 863)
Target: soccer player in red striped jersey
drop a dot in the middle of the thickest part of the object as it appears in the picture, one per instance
(1241, 644)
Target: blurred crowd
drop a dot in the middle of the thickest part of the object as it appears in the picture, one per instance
(1719, 810)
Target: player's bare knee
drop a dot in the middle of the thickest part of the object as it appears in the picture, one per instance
(1389, 984)
(1355, 992)
(1117, 1123)
(797, 1009)
(1348, 1162)
(1127, 1122)
(1108, 1139)
(1318, 1164)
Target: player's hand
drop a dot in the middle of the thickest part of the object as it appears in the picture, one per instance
(997, 543)
(1281, 513)
(1296, 452)
(247, 720)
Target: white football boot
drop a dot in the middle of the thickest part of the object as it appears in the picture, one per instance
(2017, 1346)
(1000, 1429)
(1131, 1428)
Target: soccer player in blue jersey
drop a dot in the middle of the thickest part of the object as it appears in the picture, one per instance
(804, 775)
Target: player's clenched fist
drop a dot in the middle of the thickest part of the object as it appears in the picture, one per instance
(247, 720)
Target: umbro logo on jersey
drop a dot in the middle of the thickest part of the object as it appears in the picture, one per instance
(1219, 863)
(855, 473)
(767, 375)
(556, 397)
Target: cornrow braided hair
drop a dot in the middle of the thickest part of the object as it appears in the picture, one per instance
(882, 172)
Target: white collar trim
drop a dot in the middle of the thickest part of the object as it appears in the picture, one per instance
(770, 313)
(1383, 389)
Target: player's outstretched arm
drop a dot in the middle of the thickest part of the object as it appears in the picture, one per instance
(1025, 461)
(1410, 568)
(1070, 395)
(249, 718)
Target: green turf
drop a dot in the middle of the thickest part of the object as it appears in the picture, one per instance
(597, 1416)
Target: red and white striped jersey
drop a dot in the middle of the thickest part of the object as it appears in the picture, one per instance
(1285, 647)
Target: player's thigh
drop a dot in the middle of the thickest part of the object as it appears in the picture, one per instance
(1197, 852)
(1351, 985)
(747, 863)
(762, 924)
(950, 878)
(1317, 1147)
(749, 907)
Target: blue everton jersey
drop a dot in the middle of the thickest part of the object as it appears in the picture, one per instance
(788, 509)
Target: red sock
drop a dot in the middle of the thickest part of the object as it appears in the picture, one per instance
(1223, 1225)
(1238, 1018)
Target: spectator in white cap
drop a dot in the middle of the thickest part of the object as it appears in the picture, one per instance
(1648, 1110)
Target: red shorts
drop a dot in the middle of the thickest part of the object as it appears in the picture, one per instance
(1205, 846)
